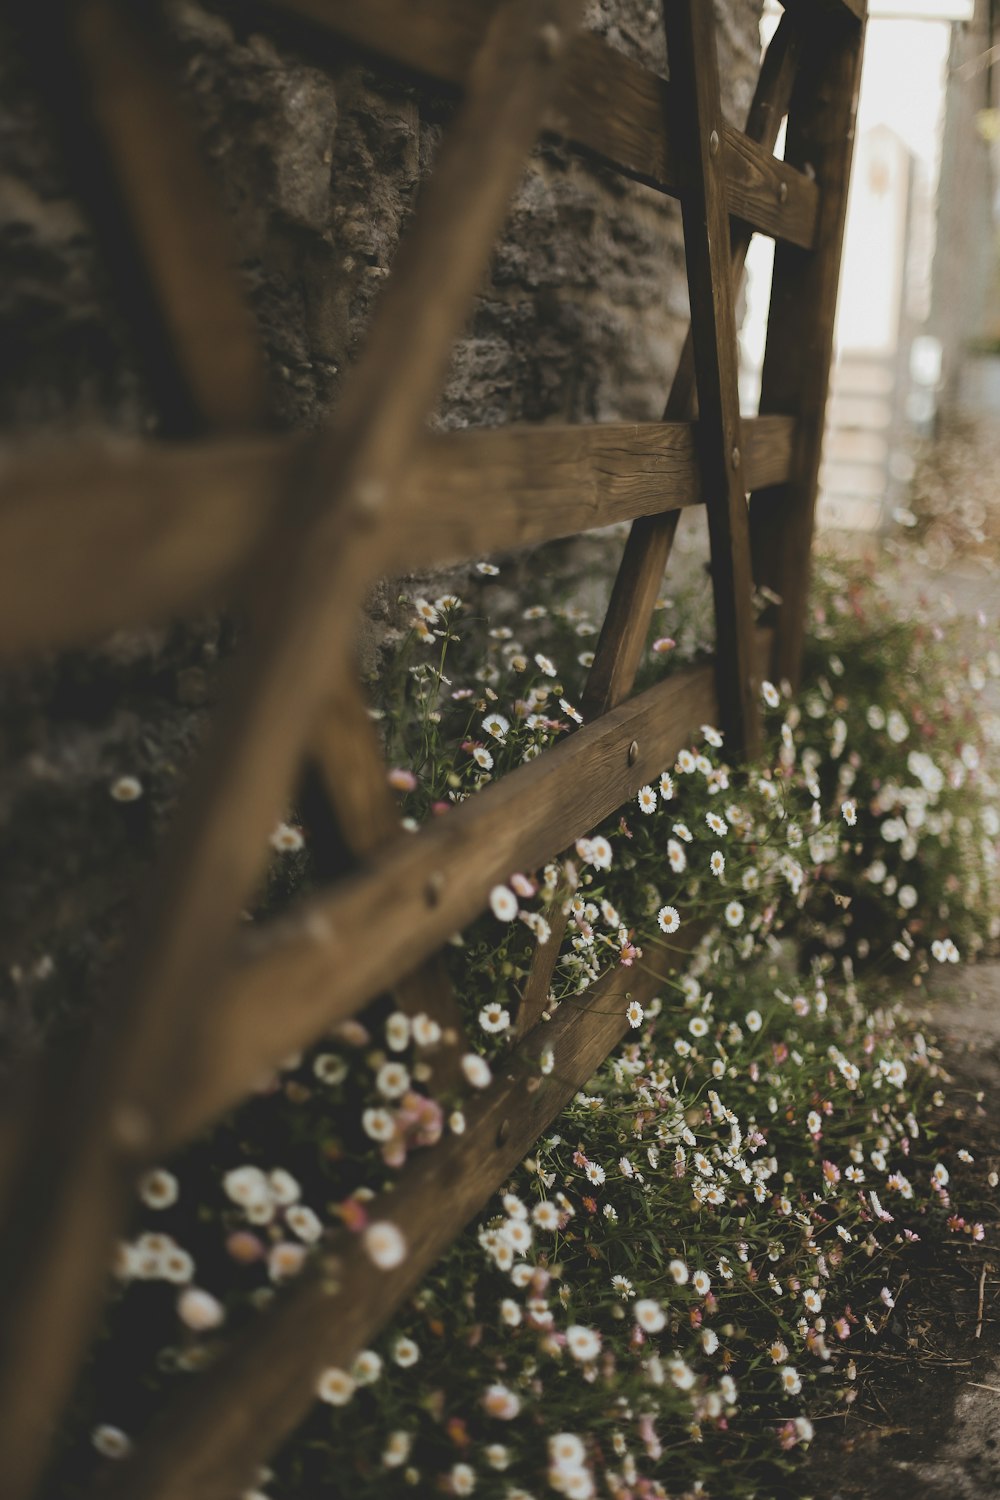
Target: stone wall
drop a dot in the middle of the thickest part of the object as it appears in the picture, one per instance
(318, 162)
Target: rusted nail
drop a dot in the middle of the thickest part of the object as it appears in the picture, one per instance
(434, 887)
(633, 752)
(503, 1133)
(713, 143)
(783, 193)
(734, 458)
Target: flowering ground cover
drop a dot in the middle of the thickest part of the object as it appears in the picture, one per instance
(686, 1272)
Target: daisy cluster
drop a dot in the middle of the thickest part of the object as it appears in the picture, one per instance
(898, 722)
(687, 1269)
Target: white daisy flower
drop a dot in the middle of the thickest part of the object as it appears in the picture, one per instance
(646, 799)
(405, 1352)
(503, 903)
(392, 1080)
(668, 919)
(494, 1017)
(158, 1188)
(583, 1343)
(335, 1387)
(110, 1441)
(476, 1070)
(126, 789)
(496, 725)
(676, 856)
(199, 1310)
(385, 1245)
(649, 1315)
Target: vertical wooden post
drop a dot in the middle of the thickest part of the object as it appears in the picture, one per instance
(651, 538)
(698, 126)
(803, 309)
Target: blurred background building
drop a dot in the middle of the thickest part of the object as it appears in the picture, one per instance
(918, 327)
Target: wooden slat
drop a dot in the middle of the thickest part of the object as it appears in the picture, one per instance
(349, 756)
(857, 9)
(800, 330)
(698, 120)
(189, 518)
(74, 1192)
(647, 550)
(319, 961)
(641, 572)
(210, 1443)
(607, 104)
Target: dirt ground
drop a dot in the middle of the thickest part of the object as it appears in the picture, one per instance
(926, 1424)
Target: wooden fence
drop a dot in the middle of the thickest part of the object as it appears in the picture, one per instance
(293, 529)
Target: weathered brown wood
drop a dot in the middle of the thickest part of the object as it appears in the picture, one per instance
(698, 120)
(858, 9)
(73, 1191)
(184, 241)
(801, 325)
(434, 883)
(637, 585)
(607, 104)
(190, 517)
(262, 1387)
(349, 756)
(647, 550)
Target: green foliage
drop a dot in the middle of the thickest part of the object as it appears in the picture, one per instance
(680, 1276)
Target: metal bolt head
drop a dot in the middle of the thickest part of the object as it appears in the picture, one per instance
(783, 193)
(633, 752)
(503, 1132)
(734, 458)
(369, 500)
(131, 1128)
(713, 143)
(434, 887)
(550, 42)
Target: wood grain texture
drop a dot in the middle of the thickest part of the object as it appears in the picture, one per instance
(262, 1387)
(640, 574)
(698, 121)
(857, 9)
(305, 595)
(191, 517)
(349, 756)
(607, 104)
(338, 949)
(799, 347)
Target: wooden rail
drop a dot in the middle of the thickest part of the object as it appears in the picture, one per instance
(207, 507)
(292, 529)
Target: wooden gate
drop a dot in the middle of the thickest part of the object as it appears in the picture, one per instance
(294, 529)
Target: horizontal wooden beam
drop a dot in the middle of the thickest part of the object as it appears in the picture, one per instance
(606, 103)
(188, 518)
(856, 10)
(229, 1420)
(299, 976)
